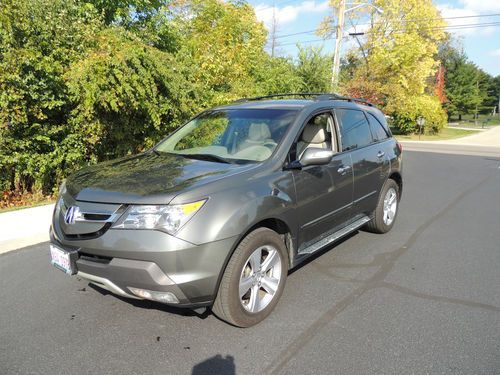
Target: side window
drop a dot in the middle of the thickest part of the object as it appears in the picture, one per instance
(354, 129)
(378, 130)
(317, 133)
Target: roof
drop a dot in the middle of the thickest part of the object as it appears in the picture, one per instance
(306, 99)
(270, 104)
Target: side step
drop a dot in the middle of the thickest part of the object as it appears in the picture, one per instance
(335, 236)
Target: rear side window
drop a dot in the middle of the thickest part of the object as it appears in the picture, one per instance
(378, 130)
(354, 129)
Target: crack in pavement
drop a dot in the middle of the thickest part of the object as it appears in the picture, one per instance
(377, 280)
(404, 290)
(456, 301)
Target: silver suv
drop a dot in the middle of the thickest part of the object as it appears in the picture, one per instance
(218, 212)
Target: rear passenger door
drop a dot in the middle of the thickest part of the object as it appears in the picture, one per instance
(368, 158)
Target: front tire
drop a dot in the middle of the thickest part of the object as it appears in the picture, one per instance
(385, 214)
(254, 279)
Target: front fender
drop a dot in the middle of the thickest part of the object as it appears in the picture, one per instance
(232, 213)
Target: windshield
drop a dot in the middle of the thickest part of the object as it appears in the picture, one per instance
(230, 135)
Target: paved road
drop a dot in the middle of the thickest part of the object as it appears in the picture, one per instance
(422, 299)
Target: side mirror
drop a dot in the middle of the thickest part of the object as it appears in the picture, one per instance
(316, 156)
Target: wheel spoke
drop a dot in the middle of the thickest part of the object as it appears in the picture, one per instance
(245, 285)
(253, 303)
(255, 260)
(260, 279)
(390, 206)
(271, 260)
(270, 284)
(392, 198)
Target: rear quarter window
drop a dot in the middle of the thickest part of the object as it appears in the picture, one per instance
(354, 128)
(378, 130)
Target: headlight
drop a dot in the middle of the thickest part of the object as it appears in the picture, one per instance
(169, 218)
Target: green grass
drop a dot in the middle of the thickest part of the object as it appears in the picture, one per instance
(483, 120)
(444, 134)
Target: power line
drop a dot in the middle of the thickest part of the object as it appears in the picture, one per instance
(402, 21)
(399, 31)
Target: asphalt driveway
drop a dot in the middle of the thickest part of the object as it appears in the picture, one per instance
(423, 298)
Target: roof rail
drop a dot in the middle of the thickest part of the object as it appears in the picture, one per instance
(314, 95)
(300, 94)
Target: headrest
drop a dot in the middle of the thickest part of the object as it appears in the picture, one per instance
(321, 120)
(258, 131)
(314, 133)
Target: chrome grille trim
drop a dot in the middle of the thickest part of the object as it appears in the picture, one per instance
(107, 217)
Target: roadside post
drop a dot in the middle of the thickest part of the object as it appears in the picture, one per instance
(420, 123)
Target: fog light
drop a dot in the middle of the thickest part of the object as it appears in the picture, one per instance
(164, 297)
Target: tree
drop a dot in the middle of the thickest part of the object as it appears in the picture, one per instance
(462, 82)
(222, 47)
(39, 39)
(313, 68)
(397, 57)
(82, 82)
(125, 94)
(277, 75)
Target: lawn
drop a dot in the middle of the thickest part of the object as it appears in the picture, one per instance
(483, 120)
(444, 134)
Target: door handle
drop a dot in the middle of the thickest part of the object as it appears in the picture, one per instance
(343, 169)
(380, 154)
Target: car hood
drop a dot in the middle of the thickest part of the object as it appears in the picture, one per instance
(147, 178)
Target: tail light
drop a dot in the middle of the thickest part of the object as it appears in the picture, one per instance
(400, 147)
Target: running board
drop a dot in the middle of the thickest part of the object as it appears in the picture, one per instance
(335, 236)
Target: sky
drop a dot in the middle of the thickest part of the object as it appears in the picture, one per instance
(481, 44)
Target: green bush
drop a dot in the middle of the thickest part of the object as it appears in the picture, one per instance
(406, 113)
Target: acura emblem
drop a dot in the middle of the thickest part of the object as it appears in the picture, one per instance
(72, 214)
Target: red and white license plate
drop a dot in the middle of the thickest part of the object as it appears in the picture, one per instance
(61, 259)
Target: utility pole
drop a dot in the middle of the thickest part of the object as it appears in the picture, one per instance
(274, 30)
(338, 45)
(339, 30)
(476, 112)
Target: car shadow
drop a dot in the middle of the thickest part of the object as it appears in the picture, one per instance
(216, 365)
(323, 251)
(201, 313)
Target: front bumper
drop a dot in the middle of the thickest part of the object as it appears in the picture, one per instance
(150, 260)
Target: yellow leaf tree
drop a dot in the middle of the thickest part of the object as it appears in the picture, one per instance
(398, 59)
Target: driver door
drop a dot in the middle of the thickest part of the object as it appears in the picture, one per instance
(324, 192)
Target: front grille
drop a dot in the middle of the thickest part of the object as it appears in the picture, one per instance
(87, 236)
(96, 217)
(88, 220)
(95, 258)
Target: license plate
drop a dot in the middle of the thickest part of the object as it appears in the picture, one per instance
(61, 259)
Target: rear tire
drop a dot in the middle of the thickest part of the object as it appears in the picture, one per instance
(254, 279)
(385, 214)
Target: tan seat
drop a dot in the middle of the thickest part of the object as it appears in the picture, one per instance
(314, 135)
(258, 135)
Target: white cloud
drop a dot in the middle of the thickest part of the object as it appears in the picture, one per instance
(288, 14)
(481, 6)
(470, 8)
(495, 52)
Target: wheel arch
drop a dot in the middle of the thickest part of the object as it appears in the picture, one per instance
(396, 176)
(273, 223)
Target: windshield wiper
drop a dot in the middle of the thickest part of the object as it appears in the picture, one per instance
(208, 157)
